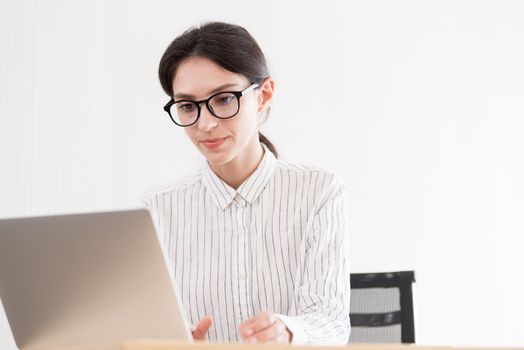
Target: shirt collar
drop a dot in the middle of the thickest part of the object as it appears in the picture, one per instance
(249, 190)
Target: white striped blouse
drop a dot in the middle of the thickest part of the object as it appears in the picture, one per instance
(278, 243)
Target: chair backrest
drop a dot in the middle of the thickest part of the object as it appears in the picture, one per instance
(381, 308)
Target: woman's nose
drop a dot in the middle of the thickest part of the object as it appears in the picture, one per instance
(207, 121)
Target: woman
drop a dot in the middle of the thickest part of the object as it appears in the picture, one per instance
(258, 245)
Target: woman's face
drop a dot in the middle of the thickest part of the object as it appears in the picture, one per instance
(198, 78)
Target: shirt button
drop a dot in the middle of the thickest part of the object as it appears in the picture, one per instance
(239, 200)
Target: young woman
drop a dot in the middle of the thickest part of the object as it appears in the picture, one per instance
(258, 245)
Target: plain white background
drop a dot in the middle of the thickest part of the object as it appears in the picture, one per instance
(417, 105)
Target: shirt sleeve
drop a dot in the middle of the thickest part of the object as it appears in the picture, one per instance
(152, 204)
(324, 292)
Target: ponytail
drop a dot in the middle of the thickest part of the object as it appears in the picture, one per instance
(268, 144)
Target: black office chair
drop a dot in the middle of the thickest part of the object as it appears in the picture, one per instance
(381, 308)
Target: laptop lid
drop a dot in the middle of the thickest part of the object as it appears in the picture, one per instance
(85, 278)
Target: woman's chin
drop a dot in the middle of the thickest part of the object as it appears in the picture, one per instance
(216, 158)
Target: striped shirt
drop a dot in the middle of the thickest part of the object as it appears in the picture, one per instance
(277, 243)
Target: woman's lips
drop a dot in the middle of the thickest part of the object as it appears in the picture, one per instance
(213, 143)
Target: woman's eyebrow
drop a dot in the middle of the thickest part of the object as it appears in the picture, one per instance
(221, 87)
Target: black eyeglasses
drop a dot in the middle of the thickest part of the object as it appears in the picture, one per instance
(223, 105)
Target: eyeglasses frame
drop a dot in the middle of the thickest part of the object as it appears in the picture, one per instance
(237, 94)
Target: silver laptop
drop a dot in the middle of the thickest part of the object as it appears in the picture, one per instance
(87, 278)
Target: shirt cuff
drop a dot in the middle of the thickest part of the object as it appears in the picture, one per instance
(295, 327)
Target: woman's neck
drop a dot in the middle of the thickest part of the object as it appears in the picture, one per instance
(235, 172)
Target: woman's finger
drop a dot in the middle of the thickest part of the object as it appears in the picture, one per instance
(263, 321)
(268, 334)
(200, 331)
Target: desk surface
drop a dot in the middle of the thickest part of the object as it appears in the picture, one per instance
(148, 344)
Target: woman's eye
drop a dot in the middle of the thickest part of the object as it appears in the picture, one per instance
(224, 100)
(186, 107)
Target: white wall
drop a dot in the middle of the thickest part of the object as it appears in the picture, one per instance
(418, 105)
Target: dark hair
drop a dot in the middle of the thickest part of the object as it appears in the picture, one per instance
(228, 45)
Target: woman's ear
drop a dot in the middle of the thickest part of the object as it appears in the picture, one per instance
(267, 89)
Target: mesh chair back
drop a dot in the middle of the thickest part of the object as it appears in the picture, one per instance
(381, 308)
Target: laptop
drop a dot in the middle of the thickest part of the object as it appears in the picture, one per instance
(87, 278)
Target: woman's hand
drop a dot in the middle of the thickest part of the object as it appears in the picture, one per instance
(265, 327)
(200, 331)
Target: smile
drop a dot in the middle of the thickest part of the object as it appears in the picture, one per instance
(213, 143)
